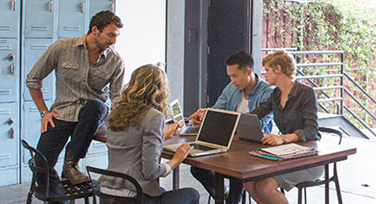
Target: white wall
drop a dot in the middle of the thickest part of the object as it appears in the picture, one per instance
(143, 37)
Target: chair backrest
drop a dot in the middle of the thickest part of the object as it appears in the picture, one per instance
(136, 199)
(42, 168)
(333, 131)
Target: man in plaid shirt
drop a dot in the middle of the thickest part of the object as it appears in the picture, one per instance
(88, 73)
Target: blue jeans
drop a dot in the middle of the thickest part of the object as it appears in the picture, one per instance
(207, 179)
(91, 116)
(179, 196)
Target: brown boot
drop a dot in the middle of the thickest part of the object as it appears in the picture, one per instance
(71, 170)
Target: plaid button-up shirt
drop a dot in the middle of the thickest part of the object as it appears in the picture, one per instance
(76, 78)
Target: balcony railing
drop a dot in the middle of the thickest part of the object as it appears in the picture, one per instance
(331, 95)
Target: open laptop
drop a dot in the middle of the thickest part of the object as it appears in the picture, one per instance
(215, 135)
(249, 128)
(178, 117)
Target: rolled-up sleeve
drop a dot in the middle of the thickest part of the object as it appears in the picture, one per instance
(43, 67)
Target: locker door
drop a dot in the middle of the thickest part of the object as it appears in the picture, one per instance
(31, 133)
(99, 5)
(39, 18)
(8, 134)
(34, 49)
(10, 15)
(72, 15)
(9, 67)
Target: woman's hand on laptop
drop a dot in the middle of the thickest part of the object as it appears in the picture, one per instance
(180, 154)
(197, 116)
(171, 131)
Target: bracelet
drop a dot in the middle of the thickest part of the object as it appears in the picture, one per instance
(284, 139)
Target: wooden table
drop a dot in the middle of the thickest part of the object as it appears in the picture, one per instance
(238, 163)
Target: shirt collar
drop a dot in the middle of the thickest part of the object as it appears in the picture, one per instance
(258, 82)
(82, 42)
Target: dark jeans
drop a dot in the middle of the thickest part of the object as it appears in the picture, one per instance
(91, 116)
(179, 196)
(207, 179)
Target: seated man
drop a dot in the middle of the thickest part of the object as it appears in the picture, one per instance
(88, 73)
(245, 92)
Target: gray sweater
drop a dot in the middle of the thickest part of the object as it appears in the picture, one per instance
(136, 152)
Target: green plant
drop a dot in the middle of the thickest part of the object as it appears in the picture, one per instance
(329, 25)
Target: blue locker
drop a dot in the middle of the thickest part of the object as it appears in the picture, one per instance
(34, 49)
(72, 18)
(10, 18)
(9, 69)
(99, 5)
(30, 132)
(9, 135)
(39, 18)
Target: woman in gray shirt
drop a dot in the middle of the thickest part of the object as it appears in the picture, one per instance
(294, 106)
(135, 140)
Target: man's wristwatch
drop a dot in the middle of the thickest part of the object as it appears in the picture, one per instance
(43, 113)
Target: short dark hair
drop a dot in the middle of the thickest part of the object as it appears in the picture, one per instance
(243, 59)
(103, 19)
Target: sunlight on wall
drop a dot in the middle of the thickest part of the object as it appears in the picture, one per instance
(143, 37)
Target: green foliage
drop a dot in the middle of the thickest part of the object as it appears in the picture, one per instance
(329, 25)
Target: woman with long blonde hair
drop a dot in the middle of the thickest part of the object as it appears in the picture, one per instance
(135, 139)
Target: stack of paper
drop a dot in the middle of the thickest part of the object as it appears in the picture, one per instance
(287, 151)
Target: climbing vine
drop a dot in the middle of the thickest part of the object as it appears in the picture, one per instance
(346, 25)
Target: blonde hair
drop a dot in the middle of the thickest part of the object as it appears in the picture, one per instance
(283, 59)
(148, 87)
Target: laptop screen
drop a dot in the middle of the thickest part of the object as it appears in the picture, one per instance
(218, 127)
(177, 113)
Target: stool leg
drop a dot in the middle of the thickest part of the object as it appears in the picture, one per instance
(29, 198)
(300, 195)
(244, 197)
(336, 182)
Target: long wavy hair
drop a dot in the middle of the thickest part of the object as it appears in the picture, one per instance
(147, 88)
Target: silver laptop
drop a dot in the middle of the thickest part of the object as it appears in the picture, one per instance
(178, 117)
(215, 135)
(249, 128)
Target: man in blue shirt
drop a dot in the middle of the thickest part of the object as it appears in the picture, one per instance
(245, 92)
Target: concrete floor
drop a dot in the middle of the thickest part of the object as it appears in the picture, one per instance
(357, 179)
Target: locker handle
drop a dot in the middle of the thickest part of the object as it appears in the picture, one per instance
(10, 121)
(50, 6)
(82, 5)
(12, 69)
(11, 57)
(14, 2)
(11, 133)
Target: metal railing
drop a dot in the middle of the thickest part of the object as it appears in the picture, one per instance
(341, 75)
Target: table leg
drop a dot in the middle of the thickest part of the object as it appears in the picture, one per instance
(176, 178)
(219, 186)
(326, 183)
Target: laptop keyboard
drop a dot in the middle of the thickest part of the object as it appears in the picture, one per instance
(201, 147)
(192, 129)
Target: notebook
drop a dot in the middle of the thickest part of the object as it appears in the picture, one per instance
(215, 134)
(178, 117)
(249, 128)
